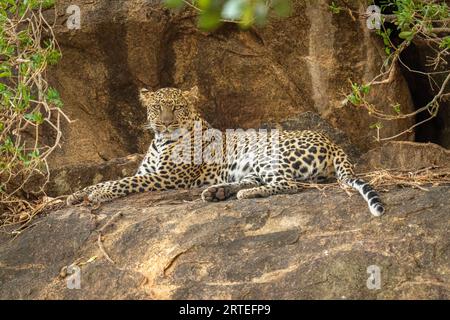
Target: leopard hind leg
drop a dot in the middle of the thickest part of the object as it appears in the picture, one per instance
(278, 186)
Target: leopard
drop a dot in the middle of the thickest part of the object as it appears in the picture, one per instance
(187, 152)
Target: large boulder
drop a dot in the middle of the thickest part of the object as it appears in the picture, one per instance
(405, 156)
(170, 245)
(270, 73)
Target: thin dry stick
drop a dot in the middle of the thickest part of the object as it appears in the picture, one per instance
(102, 249)
(100, 235)
(431, 176)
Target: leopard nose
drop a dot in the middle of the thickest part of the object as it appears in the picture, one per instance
(166, 118)
(166, 122)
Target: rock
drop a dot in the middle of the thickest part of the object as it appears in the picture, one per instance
(70, 178)
(169, 245)
(404, 156)
(73, 177)
(269, 73)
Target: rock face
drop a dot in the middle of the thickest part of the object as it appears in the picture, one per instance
(248, 78)
(312, 245)
(70, 178)
(404, 156)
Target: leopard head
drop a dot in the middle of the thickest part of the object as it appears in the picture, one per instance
(170, 109)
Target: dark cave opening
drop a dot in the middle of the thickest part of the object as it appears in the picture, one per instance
(413, 62)
(421, 93)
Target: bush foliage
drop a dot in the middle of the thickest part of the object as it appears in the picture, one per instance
(28, 106)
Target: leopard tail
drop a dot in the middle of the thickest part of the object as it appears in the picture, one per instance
(344, 173)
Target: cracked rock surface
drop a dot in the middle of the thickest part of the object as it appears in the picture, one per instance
(170, 245)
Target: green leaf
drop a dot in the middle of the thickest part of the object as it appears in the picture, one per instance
(34, 154)
(35, 117)
(47, 4)
(204, 4)
(335, 8)
(8, 145)
(209, 20)
(365, 89)
(24, 38)
(247, 17)
(24, 92)
(54, 98)
(377, 125)
(23, 68)
(354, 99)
(445, 43)
(53, 57)
(5, 71)
(407, 35)
(13, 8)
(36, 61)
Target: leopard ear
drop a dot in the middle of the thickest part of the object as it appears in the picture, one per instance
(145, 95)
(192, 95)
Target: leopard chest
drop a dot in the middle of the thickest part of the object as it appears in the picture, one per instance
(164, 157)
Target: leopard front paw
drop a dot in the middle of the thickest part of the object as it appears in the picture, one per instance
(76, 197)
(217, 193)
(86, 197)
(98, 196)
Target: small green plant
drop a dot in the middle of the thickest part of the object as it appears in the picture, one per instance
(28, 106)
(358, 93)
(335, 8)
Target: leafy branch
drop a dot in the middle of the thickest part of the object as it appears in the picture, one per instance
(420, 22)
(28, 105)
